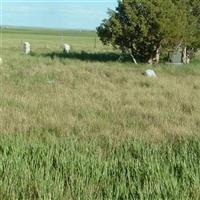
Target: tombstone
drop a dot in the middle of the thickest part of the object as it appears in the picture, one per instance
(150, 73)
(26, 47)
(1, 61)
(175, 57)
(66, 48)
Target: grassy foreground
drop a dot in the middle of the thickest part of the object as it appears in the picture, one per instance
(88, 127)
(98, 169)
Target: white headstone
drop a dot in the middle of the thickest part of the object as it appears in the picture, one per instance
(150, 73)
(26, 47)
(66, 48)
(1, 61)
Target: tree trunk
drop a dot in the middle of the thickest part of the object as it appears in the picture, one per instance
(188, 60)
(189, 55)
(184, 56)
(134, 60)
(157, 57)
(132, 53)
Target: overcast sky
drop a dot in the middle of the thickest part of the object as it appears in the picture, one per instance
(69, 14)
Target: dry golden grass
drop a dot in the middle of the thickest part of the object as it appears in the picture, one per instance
(66, 96)
(94, 98)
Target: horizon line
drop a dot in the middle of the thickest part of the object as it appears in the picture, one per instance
(60, 1)
(45, 27)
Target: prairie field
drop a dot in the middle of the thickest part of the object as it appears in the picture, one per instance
(88, 126)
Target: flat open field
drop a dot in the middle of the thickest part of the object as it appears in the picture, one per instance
(86, 126)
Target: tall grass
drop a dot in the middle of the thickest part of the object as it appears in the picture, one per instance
(98, 169)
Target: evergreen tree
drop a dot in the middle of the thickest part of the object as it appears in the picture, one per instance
(144, 27)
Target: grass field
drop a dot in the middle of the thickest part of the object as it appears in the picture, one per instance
(87, 126)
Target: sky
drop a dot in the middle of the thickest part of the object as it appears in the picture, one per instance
(62, 14)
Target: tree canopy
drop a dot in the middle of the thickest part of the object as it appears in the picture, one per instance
(145, 27)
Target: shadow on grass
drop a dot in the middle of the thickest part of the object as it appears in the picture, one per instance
(86, 56)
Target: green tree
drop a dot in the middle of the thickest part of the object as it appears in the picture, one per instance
(142, 28)
(189, 21)
(195, 11)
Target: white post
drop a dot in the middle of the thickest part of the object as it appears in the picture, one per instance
(26, 47)
(66, 48)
